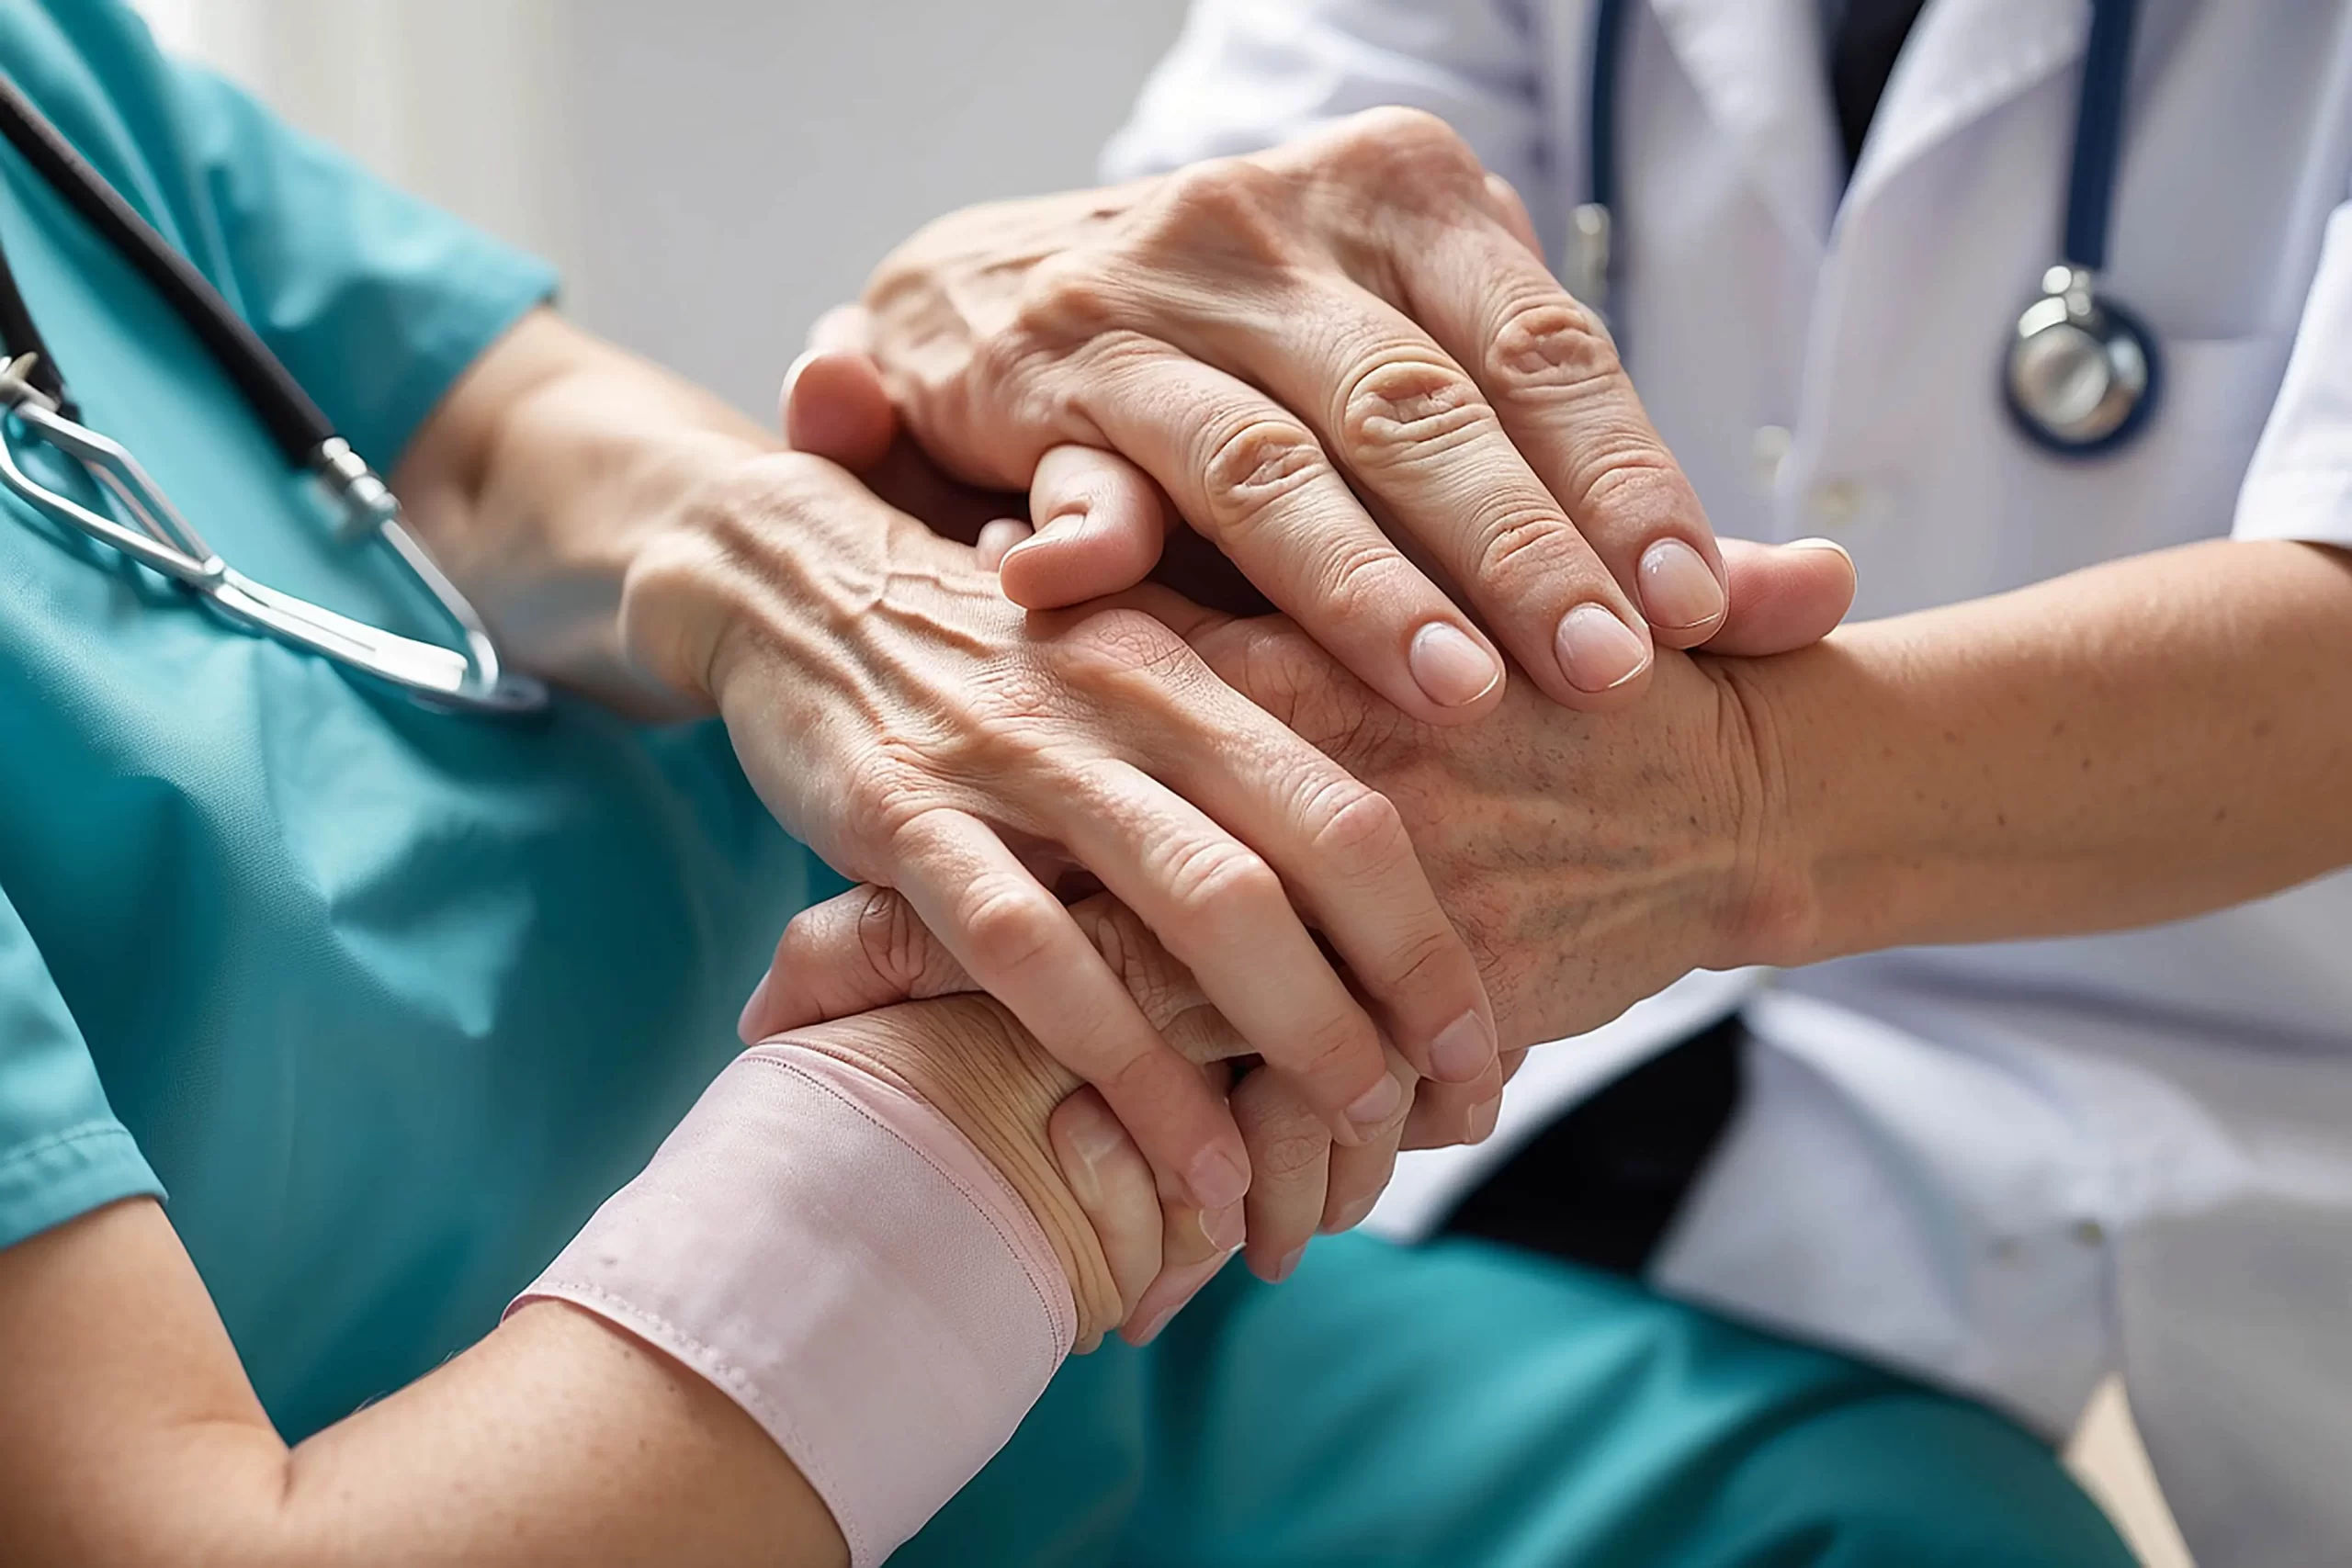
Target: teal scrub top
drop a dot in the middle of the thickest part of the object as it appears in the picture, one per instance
(384, 998)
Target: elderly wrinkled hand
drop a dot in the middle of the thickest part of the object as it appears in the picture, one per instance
(1345, 362)
(868, 949)
(918, 730)
(1588, 859)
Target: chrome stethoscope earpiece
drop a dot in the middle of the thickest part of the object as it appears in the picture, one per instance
(2081, 375)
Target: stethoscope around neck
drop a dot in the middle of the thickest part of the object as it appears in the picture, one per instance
(134, 515)
(2078, 372)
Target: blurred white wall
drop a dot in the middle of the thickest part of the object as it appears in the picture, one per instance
(710, 174)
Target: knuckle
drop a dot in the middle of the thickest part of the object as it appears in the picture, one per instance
(1402, 409)
(1129, 1078)
(1630, 476)
(1011, 684)
(1503, 194)
(810, 939)
(1216, 879)
(1549, 345)
(997, 727)
(1252, 466)
(1429, 963)
(1524, 542)
(1064, 382)
(1232, 207)
(1287, 1147)
(1073, 294)
(1360, 579)
(1007, 925)
(1412, 141)
(1071, 328)
(1337, 1047)
(1353, 823)
(1006, 364)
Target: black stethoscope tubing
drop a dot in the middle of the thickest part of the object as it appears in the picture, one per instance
(36, 394)
(300, 429)
(2079, 375)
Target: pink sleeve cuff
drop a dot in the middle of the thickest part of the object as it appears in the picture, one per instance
(833, 1254)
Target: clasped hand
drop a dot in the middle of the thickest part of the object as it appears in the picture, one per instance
(1344, 366)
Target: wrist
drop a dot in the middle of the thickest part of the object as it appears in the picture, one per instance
(1771, 912)
(821, 1243)
(723, 549)
(968, 1059)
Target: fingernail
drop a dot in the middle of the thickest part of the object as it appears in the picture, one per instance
(1451, 669)
(1091, 1135)
(997, 539)
(1288, 1265)
(1821, 544)
(1375, 1105)
(1140, 1338)
(1462, 1049)
(1063, 525)
(1352, 1217)
(792, 377)
(1093, 1131)
(1680, 590)
(1217, 1180)
(1483, 1119)
(1599, 651)
(1223, 1228)
(1200, 1278)
(749, 1020)
(1085, 1180)
(1178, 1288)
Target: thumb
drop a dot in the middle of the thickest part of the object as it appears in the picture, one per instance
(1099, 524)
(866, 949)
(834, 402)
(1782, 596)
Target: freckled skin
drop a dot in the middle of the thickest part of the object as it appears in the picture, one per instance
(1588, 859)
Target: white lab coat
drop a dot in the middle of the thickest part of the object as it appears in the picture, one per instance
(2008, 1169)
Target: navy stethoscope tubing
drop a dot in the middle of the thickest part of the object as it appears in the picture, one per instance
(2078, 372)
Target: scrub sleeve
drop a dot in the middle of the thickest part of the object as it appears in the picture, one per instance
(61, 1150)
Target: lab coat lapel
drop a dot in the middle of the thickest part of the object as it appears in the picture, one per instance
(1758, 66)
(1964, 59)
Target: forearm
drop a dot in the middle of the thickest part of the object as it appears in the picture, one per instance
(554, 1439)
(2137, 742)
(539, 480)
(857, 1261)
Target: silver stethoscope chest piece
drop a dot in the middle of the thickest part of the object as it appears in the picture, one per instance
(2081, 373)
